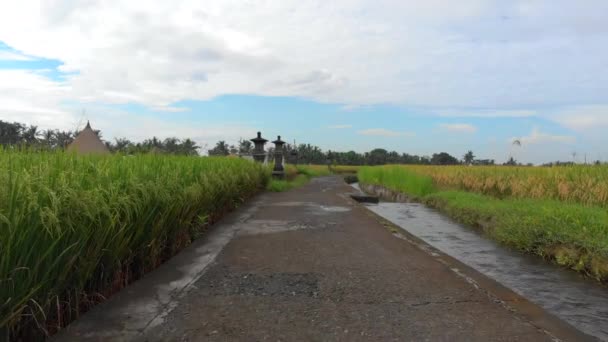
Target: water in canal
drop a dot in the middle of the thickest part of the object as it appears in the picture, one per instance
(579, 301)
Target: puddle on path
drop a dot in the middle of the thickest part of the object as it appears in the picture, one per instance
(579, 301)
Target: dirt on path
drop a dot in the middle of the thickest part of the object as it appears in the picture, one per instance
(313, 265)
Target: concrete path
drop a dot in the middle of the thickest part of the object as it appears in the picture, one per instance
(313, 265)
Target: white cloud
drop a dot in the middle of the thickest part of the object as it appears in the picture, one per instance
(27, 96)
(340, 126)
(538, 137)
(459, 128)
(480, 54)
(487, 113)
(382, 132)
(30, 98)
(583, 118)
(138, 128)
(13, 56)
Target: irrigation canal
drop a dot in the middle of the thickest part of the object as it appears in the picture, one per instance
(577, 300)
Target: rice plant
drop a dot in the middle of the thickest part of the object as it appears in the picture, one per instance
(582, 184)
(397, 178)
(74, 229)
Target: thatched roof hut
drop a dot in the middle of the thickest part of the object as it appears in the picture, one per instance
(87, 141)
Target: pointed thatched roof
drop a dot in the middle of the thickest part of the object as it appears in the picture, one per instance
(87, 141)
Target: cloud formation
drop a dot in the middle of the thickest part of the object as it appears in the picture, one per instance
(459, 128)
(482, 54)
(382, 132)
(13, 56)
(538, 137)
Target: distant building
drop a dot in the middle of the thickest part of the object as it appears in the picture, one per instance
(88, 141)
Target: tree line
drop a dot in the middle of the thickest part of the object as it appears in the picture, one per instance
(310, 154)
(30, 136)
(18, 134)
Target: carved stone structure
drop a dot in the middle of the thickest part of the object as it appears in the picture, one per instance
(278, 171)
(259, 154)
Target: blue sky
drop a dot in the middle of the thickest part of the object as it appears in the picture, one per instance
(346, 75)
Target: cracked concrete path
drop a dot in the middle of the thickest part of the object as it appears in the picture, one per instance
(313, 265)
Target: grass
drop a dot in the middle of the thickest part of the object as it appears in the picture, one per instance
(296, 176)
(314, 170)
(345, 169)
(75, 229)
(397, 178)
(572, 234)
(276, 185)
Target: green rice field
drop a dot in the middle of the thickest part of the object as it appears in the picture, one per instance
(75, 229)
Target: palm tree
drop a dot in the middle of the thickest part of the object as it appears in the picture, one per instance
(220, 149)
(121, 144)
(245, 147)
(189, 147)
(49, 138)
(515, 143)
(469, 158)
(64, 138)
(30, 135)
(171, 145)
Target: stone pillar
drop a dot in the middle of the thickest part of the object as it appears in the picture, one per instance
(259, 154)
(278, 171)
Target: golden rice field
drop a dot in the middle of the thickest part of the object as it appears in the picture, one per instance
(558, 213)
(575, 184)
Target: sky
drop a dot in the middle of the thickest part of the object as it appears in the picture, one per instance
(413, 76)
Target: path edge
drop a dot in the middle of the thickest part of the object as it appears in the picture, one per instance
(523, 309)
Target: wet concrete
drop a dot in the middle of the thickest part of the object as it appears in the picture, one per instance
(312, 264)
(578, 300)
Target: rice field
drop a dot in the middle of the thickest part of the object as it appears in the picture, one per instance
(75, 229)
(345, 169)
(558, 213)
(586, 185)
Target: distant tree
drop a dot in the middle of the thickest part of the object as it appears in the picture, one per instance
(352, 158)
(49, 139)
(443, 158)
(189, 147)
(220, 149)
(308, 154)
(171, 145)
(469, 158)
(245, 147)
(121, 145)
(11, 133)
(64, 138)
(511, 162)
(484, 162)
(393, 157)
(233, 149)
(30, 135)
(270, 154)
(153, 144)
(378, 156)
